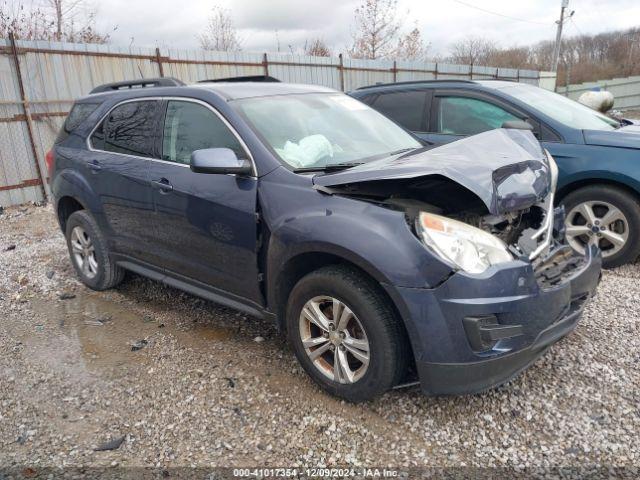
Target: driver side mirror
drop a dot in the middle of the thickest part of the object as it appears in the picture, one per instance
(219, 160)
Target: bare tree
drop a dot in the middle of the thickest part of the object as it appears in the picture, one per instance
(412, 47)
(23, 23)
(220, 33)
(317, 48)
(473, 50)
(377, 29)
(61, 20)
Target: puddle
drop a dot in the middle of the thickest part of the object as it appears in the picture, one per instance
(94, 333)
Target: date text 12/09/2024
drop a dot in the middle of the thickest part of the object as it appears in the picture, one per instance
(316, 472)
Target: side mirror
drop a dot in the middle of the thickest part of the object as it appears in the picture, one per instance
(219, 160)
(518, 125)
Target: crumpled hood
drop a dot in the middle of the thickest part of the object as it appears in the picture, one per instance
(624, 137)
(506, 168)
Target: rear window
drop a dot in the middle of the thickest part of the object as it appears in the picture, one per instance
(79, 113)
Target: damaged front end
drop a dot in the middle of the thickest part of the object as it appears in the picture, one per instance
(477, 202)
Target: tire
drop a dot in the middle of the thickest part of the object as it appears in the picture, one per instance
(372, 319)
(101, 273)
(602, 200)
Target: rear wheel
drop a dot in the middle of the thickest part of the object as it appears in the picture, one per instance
(345, 334)
(607, 217)
(89, 253)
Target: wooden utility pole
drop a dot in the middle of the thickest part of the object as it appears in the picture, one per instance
(556, 50)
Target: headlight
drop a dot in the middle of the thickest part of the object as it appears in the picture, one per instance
(469, 248)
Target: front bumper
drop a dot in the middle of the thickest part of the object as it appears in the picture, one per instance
(537, 311)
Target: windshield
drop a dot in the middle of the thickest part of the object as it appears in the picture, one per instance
(562, 109)
(320, 130)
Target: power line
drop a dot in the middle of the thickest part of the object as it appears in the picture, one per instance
(498, 14)
(576, 26)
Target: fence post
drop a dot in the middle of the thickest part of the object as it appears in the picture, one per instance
(29, 120)
(395, 71)
(159, 61)
(265, 64)
(341, 70)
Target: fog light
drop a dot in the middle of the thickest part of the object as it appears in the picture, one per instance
(483, 332)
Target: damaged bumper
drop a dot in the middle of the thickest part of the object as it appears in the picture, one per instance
(506, 318)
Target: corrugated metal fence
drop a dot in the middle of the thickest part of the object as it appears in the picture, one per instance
(39, 80)
(626, 91)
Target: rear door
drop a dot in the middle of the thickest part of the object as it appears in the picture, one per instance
(118, 168)
(205, 224)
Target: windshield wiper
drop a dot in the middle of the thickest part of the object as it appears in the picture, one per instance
(327, 168)
(402, 150)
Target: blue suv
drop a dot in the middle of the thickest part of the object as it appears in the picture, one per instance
(385, 262)
(598, 157)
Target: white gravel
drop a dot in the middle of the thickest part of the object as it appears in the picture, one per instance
(211, 387)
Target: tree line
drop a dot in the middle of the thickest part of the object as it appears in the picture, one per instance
(57, 20)
(583, 58)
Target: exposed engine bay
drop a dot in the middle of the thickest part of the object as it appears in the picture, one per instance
(522, 230)
(476, 202)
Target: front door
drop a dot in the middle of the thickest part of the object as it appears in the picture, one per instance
(205, 224)
(455, 115)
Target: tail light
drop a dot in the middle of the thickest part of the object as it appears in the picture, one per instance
(50, 160)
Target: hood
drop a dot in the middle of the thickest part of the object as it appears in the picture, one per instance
(624, 137)
(506, 168)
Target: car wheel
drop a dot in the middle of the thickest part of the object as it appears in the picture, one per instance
(607, 217)
(345, 334)
(89, 254)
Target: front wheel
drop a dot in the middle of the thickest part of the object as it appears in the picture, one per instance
(345, 334)
(607, 217)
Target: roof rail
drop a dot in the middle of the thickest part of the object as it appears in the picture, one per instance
(247, 78)
(142, 83)
(416, 82)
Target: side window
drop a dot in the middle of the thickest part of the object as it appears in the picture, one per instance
(129, 128)
(189, 126)
(78, 114)
(468, 116)
(406, 108)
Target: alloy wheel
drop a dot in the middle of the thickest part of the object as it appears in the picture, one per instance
(84, 253)
(334, 339)
(597, 223)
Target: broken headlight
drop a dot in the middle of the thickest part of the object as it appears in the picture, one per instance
(466, 247)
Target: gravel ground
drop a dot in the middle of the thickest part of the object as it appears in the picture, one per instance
(207, 386)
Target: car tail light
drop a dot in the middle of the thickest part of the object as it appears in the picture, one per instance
(50, 160)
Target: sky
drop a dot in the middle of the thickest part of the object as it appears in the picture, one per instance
(265, 24)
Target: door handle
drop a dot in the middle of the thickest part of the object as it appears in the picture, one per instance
(163, 185)
(94, 166)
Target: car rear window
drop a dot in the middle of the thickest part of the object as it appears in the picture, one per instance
(79, 113)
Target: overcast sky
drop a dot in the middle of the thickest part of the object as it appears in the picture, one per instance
(176, 24)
